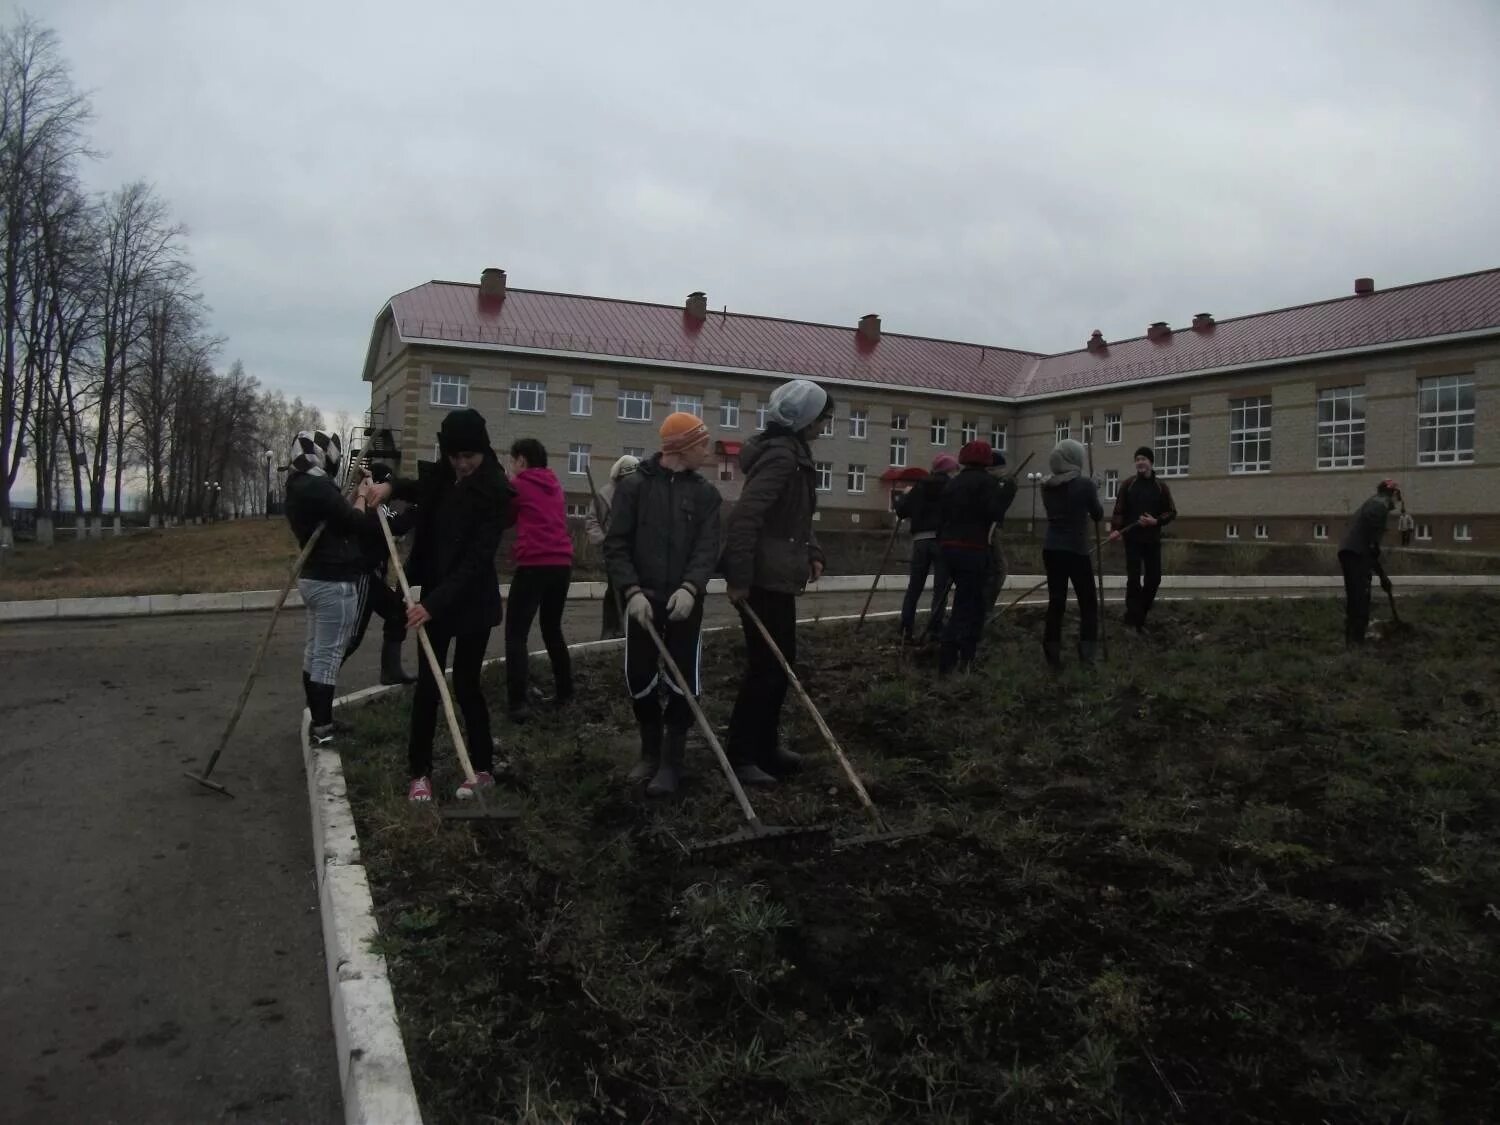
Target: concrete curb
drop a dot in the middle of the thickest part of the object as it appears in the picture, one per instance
(158, 605)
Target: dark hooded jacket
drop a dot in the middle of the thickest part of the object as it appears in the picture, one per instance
(769, 540)
(1366, 529)
(458, 525)
(971, 503)
(1143, 496)
(922, 507)
(663, 531)
(312, 499)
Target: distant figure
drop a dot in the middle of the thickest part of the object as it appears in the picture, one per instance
(1144, 504)
(921, 507)
(596, 527)
(973, 504)
(1071, 499)
(1359, 557)
(543, 553)
(1407, 525)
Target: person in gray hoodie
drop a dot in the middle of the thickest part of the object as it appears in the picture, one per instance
(1359, 557)
(1071, 500)
(596, 527)
(770, 554)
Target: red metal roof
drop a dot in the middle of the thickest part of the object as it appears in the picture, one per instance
(454, 313)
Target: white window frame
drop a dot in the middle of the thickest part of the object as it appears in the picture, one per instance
(445, 379)
(826, 430)
(853, 517)
(537, 390)
(1111, 484)
(997, 438)
(898, 452)
(824, 473)
(1250, 435)
(1320, 531)
(626, 399)
(579, 454)
(1262, 531)
(859, 424)
(577, 511)
(1231, 531)
(1463, 533)
(1172, 430)
(1438, 418)
(729, 414)
(1424, 533)
(899, 423)
(1114, 429)
(937, 432)
(581, 401)
(1062, 429)
(968, 432)
(1341, 427)
(760, 418)
(1086, 426)
(854, 479)
(688, 404)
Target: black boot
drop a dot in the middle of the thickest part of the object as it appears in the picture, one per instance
(780, 762)
(307, 692)
(391, 671)
(320, 704)
(746, 770)
(669, 773)
(1087, 651)
(1052, 650)
(947, 658)
(650, 753)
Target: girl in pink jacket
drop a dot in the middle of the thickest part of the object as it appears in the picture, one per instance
(543, 557)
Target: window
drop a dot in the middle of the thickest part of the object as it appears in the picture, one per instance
(856, 481)
(1087, 425)
(581, 402)
(859, 423)
(1424, 532)
(997, 438)
(633, 406)
(726, 468)
(827, 430)
(577, 511)
(1341, 428)
(1250, 435)
(1262, 532)
(688, 404)
(898, 453)
(729, 414)
(1111, 483)
(528, 397)
(853, 517)
(760, 418)
(1172, 427)
(824, 473)
(634, 451)
(1320, 531)
(1114, 430)
(1461, 533)
(940, 431)
(898, 423)
(1231, 531)
(450, 390)
(578, 460)
(1063, 429)
(970, 432)
(1445, 421)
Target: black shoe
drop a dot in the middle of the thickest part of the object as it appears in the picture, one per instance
(751, 774)
(780, 762)
(650, 754)
(1052, 651)
(669, 771)
(391, 671)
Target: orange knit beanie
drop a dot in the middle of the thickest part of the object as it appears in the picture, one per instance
(682, 431)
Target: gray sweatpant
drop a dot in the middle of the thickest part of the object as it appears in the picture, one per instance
(332, 613)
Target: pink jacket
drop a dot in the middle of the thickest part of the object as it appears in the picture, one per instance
(542, 537)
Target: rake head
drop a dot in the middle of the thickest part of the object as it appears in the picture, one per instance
(776, 839)
(891, 836)
(203, 780)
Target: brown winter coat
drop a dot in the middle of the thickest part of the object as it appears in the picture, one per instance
(769, 540)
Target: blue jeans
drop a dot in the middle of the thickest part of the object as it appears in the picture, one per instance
(332, 614)
(926, 556)
(969, 568)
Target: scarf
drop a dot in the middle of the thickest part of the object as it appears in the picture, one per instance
(316, 453)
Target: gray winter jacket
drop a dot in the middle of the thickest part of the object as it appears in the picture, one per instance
(769, 541)
(663, 531)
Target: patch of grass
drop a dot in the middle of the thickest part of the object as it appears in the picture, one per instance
(1234, 875)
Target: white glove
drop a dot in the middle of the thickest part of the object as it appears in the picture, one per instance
(680, 604)
(638, 609)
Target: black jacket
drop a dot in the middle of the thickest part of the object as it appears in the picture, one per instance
(1366, 528)
(458, 525)
(768, 539)
(970, 503)
(922, 506)
(338, 557)
(1070, 505)
(1143, 496)
(663, 531)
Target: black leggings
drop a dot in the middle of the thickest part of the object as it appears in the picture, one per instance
(1357, 571)
(378, 598)
(756, 717)
(468, 656)
(1064, 567)
(533, 589)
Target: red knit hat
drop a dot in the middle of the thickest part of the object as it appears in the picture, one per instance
(682, 431)
(977, 453)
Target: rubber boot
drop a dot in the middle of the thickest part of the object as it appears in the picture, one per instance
(669, 772)
(1052, 651)
(1087, 651)
(746, 770)
(650, 753)
(307, 692)
(391, 671)
(780, 762)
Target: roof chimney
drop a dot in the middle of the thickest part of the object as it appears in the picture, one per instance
(696, 307)
(1203, 322)
(492, 283)
(1364, 286)
(1097, 342)
(1159, 331)
(869, 328)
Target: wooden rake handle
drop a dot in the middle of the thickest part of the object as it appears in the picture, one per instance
(433, 663)
(859, 786)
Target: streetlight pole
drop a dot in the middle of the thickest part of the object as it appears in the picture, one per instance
(1034, 479)
(268, 456)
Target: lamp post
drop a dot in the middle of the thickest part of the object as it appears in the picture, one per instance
(213, 488)
(1034, 479)
(268, 456)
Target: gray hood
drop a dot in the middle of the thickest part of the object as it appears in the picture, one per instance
(796, 405)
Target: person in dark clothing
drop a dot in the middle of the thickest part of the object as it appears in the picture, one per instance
(329, 581)
(994, 578)
(464, 504)
(1144, 501)
(543, 554)
(921, 507)
(1071, 499)
(973, 504)
(770, 554)
(375, 593)
(1359, 557)
(661, 549)
(596, 527)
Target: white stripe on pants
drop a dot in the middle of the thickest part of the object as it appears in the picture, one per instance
(332, 613)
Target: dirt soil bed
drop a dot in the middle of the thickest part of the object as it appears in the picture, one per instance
(1235, 875)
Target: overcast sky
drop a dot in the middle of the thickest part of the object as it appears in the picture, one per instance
(1011, 174)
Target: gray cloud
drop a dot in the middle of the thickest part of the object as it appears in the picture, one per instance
(979, 171)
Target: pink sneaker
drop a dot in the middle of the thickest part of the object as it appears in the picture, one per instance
(421, 790)
(483, 779)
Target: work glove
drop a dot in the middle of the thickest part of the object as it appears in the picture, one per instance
(680, 604)
(638, 609)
